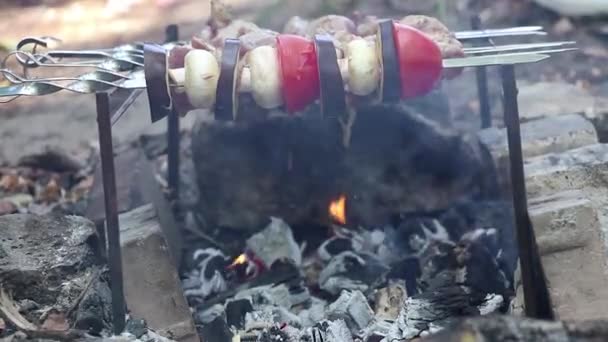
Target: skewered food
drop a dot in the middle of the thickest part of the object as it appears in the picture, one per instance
(401, 63)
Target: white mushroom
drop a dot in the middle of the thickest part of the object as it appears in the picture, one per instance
(201, 75)
(265, 77)
(363, 67)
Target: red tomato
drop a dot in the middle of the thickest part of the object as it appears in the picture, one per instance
(299, 71)
(419, 59)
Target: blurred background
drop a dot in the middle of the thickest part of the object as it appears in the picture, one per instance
(68, 120)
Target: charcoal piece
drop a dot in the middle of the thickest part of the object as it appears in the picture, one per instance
(334, 246)
(336, 331)
(207, 315)
(136, 327)
(351, 307)
(431, 311)
(217, 331)
(206, 277)
(236, 311)
(274, 243)
(273, 334)
(458, 279)
(94, 310)
(289, 167)
(519, 329)
(351, 271)
(314, 313)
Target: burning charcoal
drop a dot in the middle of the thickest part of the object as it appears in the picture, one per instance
(350, 271)
(275, 242)
(207, 277)
(217, 331)
(236, 311)
(389, 300)
(353, 308)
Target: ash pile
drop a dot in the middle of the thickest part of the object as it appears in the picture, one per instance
(401, 281)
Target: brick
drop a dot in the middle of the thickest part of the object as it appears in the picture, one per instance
(574, 169)
(563, 221)
(550, 135)
(573, 255)
(152, 287)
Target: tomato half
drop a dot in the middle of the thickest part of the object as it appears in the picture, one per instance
(419, 59)
(299, 71)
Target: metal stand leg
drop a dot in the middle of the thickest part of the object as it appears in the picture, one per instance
(481, 75)
(104, 124)
(536, 294)
(173, 136)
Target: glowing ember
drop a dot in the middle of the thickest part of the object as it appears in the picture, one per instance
(241, 259)
(337, 210)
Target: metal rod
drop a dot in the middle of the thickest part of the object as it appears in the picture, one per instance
(481, 75)
(537, 301)
(104, 125)
(173, 136)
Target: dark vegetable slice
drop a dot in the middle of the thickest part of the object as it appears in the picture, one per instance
(333, 96)
(157, 81)
(226, 103)
(390, 82)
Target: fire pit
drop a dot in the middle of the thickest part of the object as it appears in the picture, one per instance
(387, 227)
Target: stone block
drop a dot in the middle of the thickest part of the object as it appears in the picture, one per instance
(573, 255)
(549, 135)
(152, 287)
(574, 169)
(563, 221)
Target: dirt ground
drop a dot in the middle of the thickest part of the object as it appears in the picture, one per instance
(66, 120)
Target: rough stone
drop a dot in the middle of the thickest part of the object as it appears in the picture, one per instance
(46, 258)
(573, 255)
(293, 167)
(150, 279)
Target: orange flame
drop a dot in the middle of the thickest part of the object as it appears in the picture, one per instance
(241, 259)
(337, 209)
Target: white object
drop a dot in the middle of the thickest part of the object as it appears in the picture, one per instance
(201, 74)
(576, 8)
(265, 77)
(363, 67)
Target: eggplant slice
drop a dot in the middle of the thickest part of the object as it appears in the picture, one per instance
(226, 104)
(157, 81)
(333, 96)
(390, 84)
